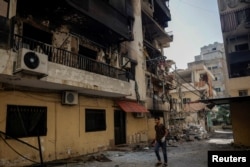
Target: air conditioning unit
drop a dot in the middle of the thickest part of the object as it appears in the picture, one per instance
(139, 115)
(31, 62)
(70, 98)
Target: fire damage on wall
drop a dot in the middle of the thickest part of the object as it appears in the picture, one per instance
(78, 34)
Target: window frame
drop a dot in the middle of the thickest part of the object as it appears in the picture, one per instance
(95, 120)
(26, 121)
(243, 92)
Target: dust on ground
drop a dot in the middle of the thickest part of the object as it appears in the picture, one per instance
(180, 154)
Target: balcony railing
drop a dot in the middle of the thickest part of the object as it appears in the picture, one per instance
(64, 57)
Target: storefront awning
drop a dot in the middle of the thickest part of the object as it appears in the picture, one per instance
(129, 106)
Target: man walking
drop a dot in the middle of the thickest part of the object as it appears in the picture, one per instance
(160, 141)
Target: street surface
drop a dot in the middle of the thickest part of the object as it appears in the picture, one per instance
(180, 154)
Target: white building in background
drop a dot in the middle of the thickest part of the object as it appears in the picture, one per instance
(213, 57)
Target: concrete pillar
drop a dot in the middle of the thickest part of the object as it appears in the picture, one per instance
(136, 50)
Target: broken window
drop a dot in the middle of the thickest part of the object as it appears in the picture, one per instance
(95, 120)
(37, 34)
(241, 47)
(26, 121)
(37, 39)
(243, 92)
(92, 54)
(186, 100)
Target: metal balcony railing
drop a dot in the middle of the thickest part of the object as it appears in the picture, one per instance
(64, 57)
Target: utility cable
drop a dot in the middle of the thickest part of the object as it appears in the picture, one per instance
(16, 150)
(181, 84)
(188, 83)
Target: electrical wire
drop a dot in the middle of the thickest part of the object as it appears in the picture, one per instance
(181, 84)
(187, 83)
(16, 150)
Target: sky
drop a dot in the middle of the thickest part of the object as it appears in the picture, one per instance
(194, 24)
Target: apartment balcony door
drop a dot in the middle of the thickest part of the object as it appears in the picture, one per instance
(120, 127)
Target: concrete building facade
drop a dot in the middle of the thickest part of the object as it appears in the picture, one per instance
(235, 21)
(192, 85)
(213, 57)
(74, 76)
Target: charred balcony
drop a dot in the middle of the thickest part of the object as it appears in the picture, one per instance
(159, 10)
(70, 59)
(101, 21)
(154, 31)
(162, 12)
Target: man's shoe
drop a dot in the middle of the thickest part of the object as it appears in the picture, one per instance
(165, 165)
(158, 163)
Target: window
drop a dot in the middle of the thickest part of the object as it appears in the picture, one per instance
(186, 100)
(242, 47)
(214, 67)
(243, 93)
(95, 120)
(217, 89)
(213, 48)
(26, 121)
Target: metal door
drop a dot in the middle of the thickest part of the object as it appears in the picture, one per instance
(120, 127)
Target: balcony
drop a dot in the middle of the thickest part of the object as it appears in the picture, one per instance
(69, 71)
(162, 12)
(66, 58)
(97, 20)
(153, 31)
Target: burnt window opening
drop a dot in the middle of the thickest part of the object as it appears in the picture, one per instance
(243, 92)
(95, 120)
(26, 121)
(240, 69)
(186, 100)
(242, 47)
(37, 39)
(37, 34)
(92, 54)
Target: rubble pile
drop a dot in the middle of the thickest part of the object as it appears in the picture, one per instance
(190, 133)
(195, 131)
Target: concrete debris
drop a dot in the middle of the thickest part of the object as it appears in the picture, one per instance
(190, 133)
(195, 131)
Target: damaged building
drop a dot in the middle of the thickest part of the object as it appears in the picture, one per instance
(235, 27)
(187, 113)
(78, 77)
